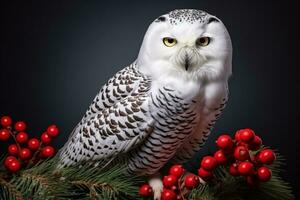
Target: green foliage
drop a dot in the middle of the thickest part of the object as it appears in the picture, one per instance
(44, 181)
(105, 182)
(101, 183)
(227, 187)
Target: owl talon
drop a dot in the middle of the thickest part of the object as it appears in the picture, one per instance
(157, 186)
(202, 181)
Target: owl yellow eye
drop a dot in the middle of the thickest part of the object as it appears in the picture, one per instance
(203, 41)
(169, 42)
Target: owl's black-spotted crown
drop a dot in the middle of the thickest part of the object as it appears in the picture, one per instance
(185, 15)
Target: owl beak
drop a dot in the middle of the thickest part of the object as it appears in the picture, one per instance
(186, 62)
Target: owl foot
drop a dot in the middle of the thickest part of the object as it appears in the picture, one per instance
(157, 185)
(201, 181)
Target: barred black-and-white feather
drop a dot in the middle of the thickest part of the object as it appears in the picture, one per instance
(163, 106)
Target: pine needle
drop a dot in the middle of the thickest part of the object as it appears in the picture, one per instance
(110, 182)
(9, 191)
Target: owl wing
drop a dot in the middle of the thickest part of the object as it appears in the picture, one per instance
(114, 130)
(118, 87)
(122, 84)
(197, 140)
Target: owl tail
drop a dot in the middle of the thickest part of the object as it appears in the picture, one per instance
(64, 154)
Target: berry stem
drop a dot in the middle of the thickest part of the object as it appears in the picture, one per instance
(14, 138)
(30, 163)
(179, 188)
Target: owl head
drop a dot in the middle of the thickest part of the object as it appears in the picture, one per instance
(187, 44)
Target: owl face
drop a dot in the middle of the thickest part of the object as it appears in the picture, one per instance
(187, 43)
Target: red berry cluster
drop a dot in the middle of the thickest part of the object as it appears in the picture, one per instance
(172, 189)
(25, 150)
(243, 156)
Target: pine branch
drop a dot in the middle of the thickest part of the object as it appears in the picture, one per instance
(98, 182)
(9, 191)
(227, 187)
(38, 182)
(109, 181)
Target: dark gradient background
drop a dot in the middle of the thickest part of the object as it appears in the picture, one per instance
(55, 55)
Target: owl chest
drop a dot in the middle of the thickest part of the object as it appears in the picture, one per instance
(175, 119)
(174, 111)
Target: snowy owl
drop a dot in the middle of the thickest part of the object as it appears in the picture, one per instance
(161, 108)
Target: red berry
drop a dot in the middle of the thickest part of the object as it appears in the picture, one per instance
(13, 149)
(5, 121)
(145, 190)
(48, 151)
(246, 135)
(204, 174)
(243, 144)
(24, 154)
(45, 138)
(52, 131)
(168, 195)
(176, 170)
(245, 168)
(266, 156)
(209, 163)
(8, 160)
(237, 136)
(224, 142)
(4, 134)
(174, 188)
(33, 144)
(169, 181)
(241, 153)
(220, 157)
(264, 174)
(13, 165)
(20, 126)
(22, 137)
(191, 181)
(256, 143)
(233, 171)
